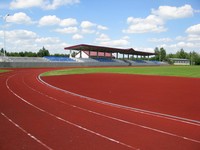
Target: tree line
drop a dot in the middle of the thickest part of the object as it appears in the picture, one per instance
(161, 55)
(41, 53)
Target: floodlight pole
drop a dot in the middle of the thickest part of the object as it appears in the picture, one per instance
(4, 33)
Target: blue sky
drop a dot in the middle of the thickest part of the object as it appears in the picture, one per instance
(140, 24)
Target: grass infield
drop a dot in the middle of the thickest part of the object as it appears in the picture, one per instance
(181, 71)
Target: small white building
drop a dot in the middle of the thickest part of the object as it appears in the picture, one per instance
(179, 61)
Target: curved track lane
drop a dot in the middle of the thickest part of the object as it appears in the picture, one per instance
(35, 115)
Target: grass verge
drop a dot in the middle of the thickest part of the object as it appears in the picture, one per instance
(2, 71)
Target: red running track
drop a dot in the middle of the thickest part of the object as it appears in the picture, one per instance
(35, 115)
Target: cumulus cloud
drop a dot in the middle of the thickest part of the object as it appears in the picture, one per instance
(104, 40)
(156, 20)
(90, 27)
(25, 40)
(87, 24)
(195, 29)
(44, 4)
(100, 27)
(169, 12)
(54, 20)
(68, 22)
(49, 20)
(77, 37)
(149, 24)
(68, 30)
(165, 40)
(42, 40)
(18, 4)
(57, 3)
(20, 18)
(20, 34)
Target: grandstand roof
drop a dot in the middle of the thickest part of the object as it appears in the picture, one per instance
(85, 47)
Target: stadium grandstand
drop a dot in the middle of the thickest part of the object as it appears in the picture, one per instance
(86, 55)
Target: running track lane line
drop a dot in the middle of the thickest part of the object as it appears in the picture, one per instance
(26, 132)
(156, 114)
(114, 118)
(66, 121)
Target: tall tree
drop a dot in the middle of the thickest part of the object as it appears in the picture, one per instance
(182, 54)
(157, 52)
(162, 54)
(43, 52)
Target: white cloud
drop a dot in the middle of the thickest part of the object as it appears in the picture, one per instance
(191, 42)
(156, 20)
(18, 4)
(180, 38)
(90, 27)
(68, 30)
(49, 20)
(20, 34)
(57, 3)
(193, 38)
(48, 40)
(169, 12)
(87, 24)
(100, 27)
(149, 24)
(88, 31)
(19, 18)
(68, 22)
(104, 40)
(144, 49)
(44, 4)
(160, 40)
(195, 30)
(54, 20)
(77, 37)
(25, 40)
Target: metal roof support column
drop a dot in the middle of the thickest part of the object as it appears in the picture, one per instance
(128, 56)
(123, 56)
(89, 53)
(80, 53)
(97, 53)
(117, 55)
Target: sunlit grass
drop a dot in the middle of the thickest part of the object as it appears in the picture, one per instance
(183, 71)
(2, 71)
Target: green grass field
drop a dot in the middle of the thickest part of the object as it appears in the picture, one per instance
(1, 71)
(181, 71)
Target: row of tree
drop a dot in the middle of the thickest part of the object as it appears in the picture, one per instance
(194, 57)
(41, 53)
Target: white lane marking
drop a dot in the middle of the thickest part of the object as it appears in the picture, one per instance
(156, 114)
(68, 122)
(114, 118)
(26, 132)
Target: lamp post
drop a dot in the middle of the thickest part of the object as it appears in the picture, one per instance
(4, 33)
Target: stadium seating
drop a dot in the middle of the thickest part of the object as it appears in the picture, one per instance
(59, 59)
(140, 61)
(101, 59)
(25, 59)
